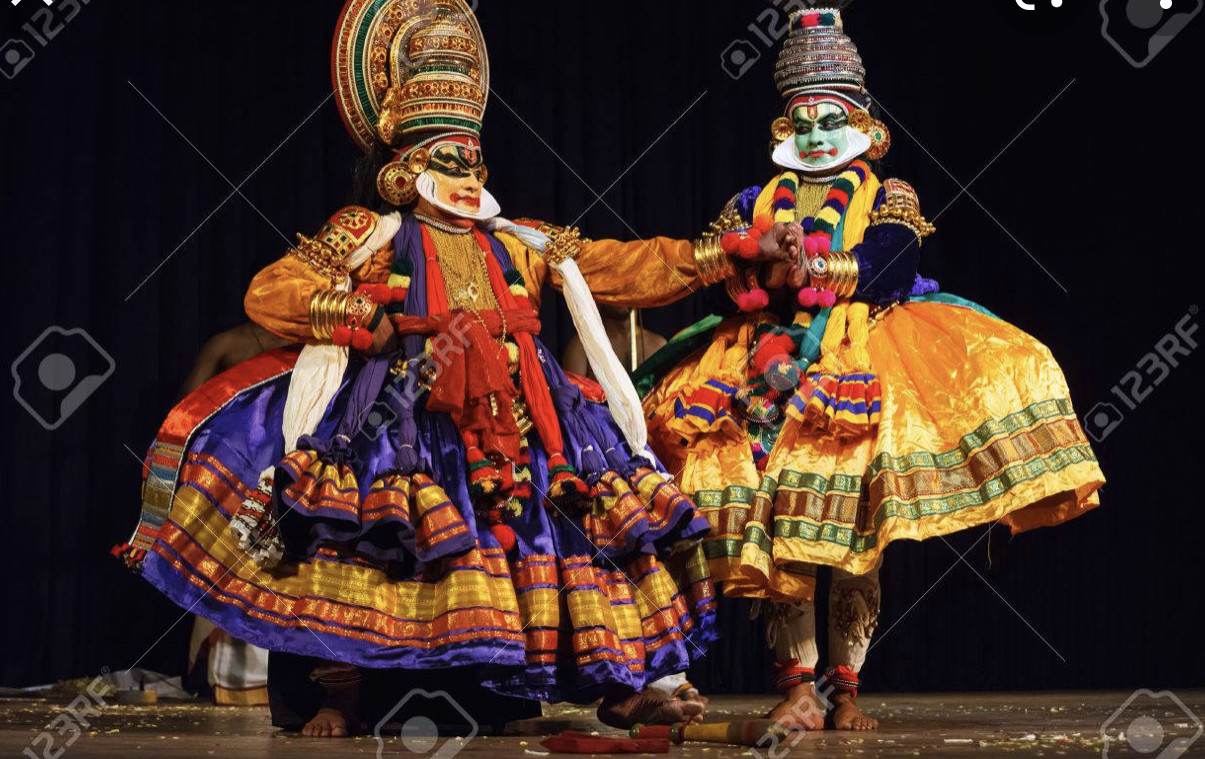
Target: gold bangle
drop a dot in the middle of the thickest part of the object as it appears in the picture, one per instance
(840, 275)
(328, 310)
(713, 263)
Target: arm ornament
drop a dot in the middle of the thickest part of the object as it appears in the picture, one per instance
(346, 319)
(328, 312)
(343, 235)
(563, 243)
(901, 205)
(835, 271)
(714, 263)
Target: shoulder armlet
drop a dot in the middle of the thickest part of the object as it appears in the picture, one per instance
(563, 242)
(737, 213)
(345, 233)
(901, 205)
(348, 230)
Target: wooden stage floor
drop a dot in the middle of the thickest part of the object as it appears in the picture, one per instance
(967, 725)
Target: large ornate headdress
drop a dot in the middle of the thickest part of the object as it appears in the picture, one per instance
(820, 63)
(412, 75)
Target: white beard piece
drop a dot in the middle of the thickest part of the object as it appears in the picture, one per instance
(489, 204)
(786, 154)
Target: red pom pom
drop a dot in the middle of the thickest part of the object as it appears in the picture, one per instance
(824, 244)
(730, 242)
(810, 247)
(770, 349)
(763, 224)
(382, 294)
(341, 336)
(808, 297)
(505, 536)
(749, 248)
(827, 299)
(398, 294)
(361, 339)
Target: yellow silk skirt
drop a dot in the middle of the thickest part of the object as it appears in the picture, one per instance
(976, 427)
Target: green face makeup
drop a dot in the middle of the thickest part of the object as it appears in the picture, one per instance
(821, 133)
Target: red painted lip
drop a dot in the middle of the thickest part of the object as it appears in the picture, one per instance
(471, 200)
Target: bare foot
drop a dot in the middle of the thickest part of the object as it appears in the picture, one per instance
(692, 694)
(644, 709)
(800, 709)
(847, 715)
(338, 716)
(327, 723)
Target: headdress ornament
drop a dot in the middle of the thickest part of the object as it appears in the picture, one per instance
(818, 63)
(818, 53)
(406, 71)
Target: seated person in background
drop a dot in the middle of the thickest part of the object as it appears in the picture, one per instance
(618, 322)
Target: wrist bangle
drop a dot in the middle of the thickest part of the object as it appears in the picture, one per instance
(713, 263)
(837, 272)
(328, 311)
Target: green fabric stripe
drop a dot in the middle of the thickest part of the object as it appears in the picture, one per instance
(1042, 411)
(893, 507)
(681, 345)
(952, 300)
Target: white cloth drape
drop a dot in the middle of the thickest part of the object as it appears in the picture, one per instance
(622, 397)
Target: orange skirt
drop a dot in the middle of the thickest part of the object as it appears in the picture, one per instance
(976, 427)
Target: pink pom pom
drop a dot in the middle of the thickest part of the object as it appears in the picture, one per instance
(810, 246)
(827, 299)
(749, 248)
(824, 244)
(808, 297)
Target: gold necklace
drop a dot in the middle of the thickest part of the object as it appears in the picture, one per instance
(466, 276)
(809, 199)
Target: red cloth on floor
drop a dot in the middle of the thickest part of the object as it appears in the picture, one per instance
(571, 742)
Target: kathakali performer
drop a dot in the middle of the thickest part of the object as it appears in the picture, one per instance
(421, 486)
(852, 404)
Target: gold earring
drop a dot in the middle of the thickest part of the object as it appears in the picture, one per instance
(396, 184)
(880, 136)
(782, 129)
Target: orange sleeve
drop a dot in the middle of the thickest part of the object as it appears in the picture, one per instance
(641, 274)
(279, 296)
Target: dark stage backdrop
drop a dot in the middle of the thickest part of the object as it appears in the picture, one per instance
(1062, 178)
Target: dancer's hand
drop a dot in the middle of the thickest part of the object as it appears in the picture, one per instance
(784, 242)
